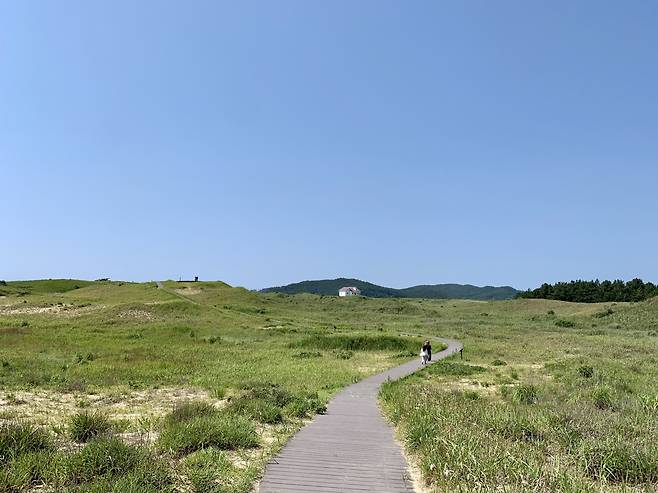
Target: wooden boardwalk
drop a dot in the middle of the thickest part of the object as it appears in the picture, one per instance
(351, 448)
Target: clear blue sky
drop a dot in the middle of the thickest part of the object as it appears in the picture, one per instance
(261, 143)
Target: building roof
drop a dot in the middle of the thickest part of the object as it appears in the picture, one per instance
(349, 288)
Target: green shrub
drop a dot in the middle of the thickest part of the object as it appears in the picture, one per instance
(564, 323)
(586, 371)
(220, 431)
(218, 393)
(18, 438)
(525, 394)
(498, 362)
(33, 468)
(517, 427)
(604, 313)
(207, 471)
(258, 409)
(307, 354)
(455, 369)
(103, 457)
(270, 392)
(343, 354)
(186, 411)
(84, 426)
(602, 398)
(405, 354)
(305, 407)
(358, 343)
(149, 475)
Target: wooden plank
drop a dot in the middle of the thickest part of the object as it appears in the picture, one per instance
(349, 449)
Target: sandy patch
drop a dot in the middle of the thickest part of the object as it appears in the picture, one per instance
(188, 291)
(532, 366)
(136, 315)
(59, 309)
(139, 407)
(465, 385)
(31, 310)
(375, 363)
(414, 474)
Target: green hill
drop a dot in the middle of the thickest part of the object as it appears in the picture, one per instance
(41, 286)
(460, 291)
(330, 287)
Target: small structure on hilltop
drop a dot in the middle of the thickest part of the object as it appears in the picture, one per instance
(349, 291)
(196, 279)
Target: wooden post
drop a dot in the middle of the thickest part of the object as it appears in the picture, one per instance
(461, 353)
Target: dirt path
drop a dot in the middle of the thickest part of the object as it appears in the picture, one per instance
(351, 448)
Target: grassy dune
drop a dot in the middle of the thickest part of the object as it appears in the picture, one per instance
(115, 363)
(550, 396)
(193, 387)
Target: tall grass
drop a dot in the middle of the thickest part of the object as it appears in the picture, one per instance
(221, 431)
(307, 348)
(86, 425)
(111, 465)
(359, 343)
(20, 438)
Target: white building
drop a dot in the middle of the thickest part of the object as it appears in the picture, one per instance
(349, 291)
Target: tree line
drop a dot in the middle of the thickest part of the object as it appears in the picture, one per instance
(593, 291)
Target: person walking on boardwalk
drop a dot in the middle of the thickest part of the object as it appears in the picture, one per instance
(427, 347)
(423, 356)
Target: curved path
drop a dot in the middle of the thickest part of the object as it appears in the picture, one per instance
(351, 448)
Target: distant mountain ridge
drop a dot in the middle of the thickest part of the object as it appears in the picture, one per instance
(437, 291)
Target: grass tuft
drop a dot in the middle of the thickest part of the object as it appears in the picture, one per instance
(258, 409)
(84, 426)
(269, 392)
(525, 394)
(222, 431)
(207, 470)
(103, 457)
(454, 369)
(17, 439)
(602, 397)
(189, 410)
(31, 469)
